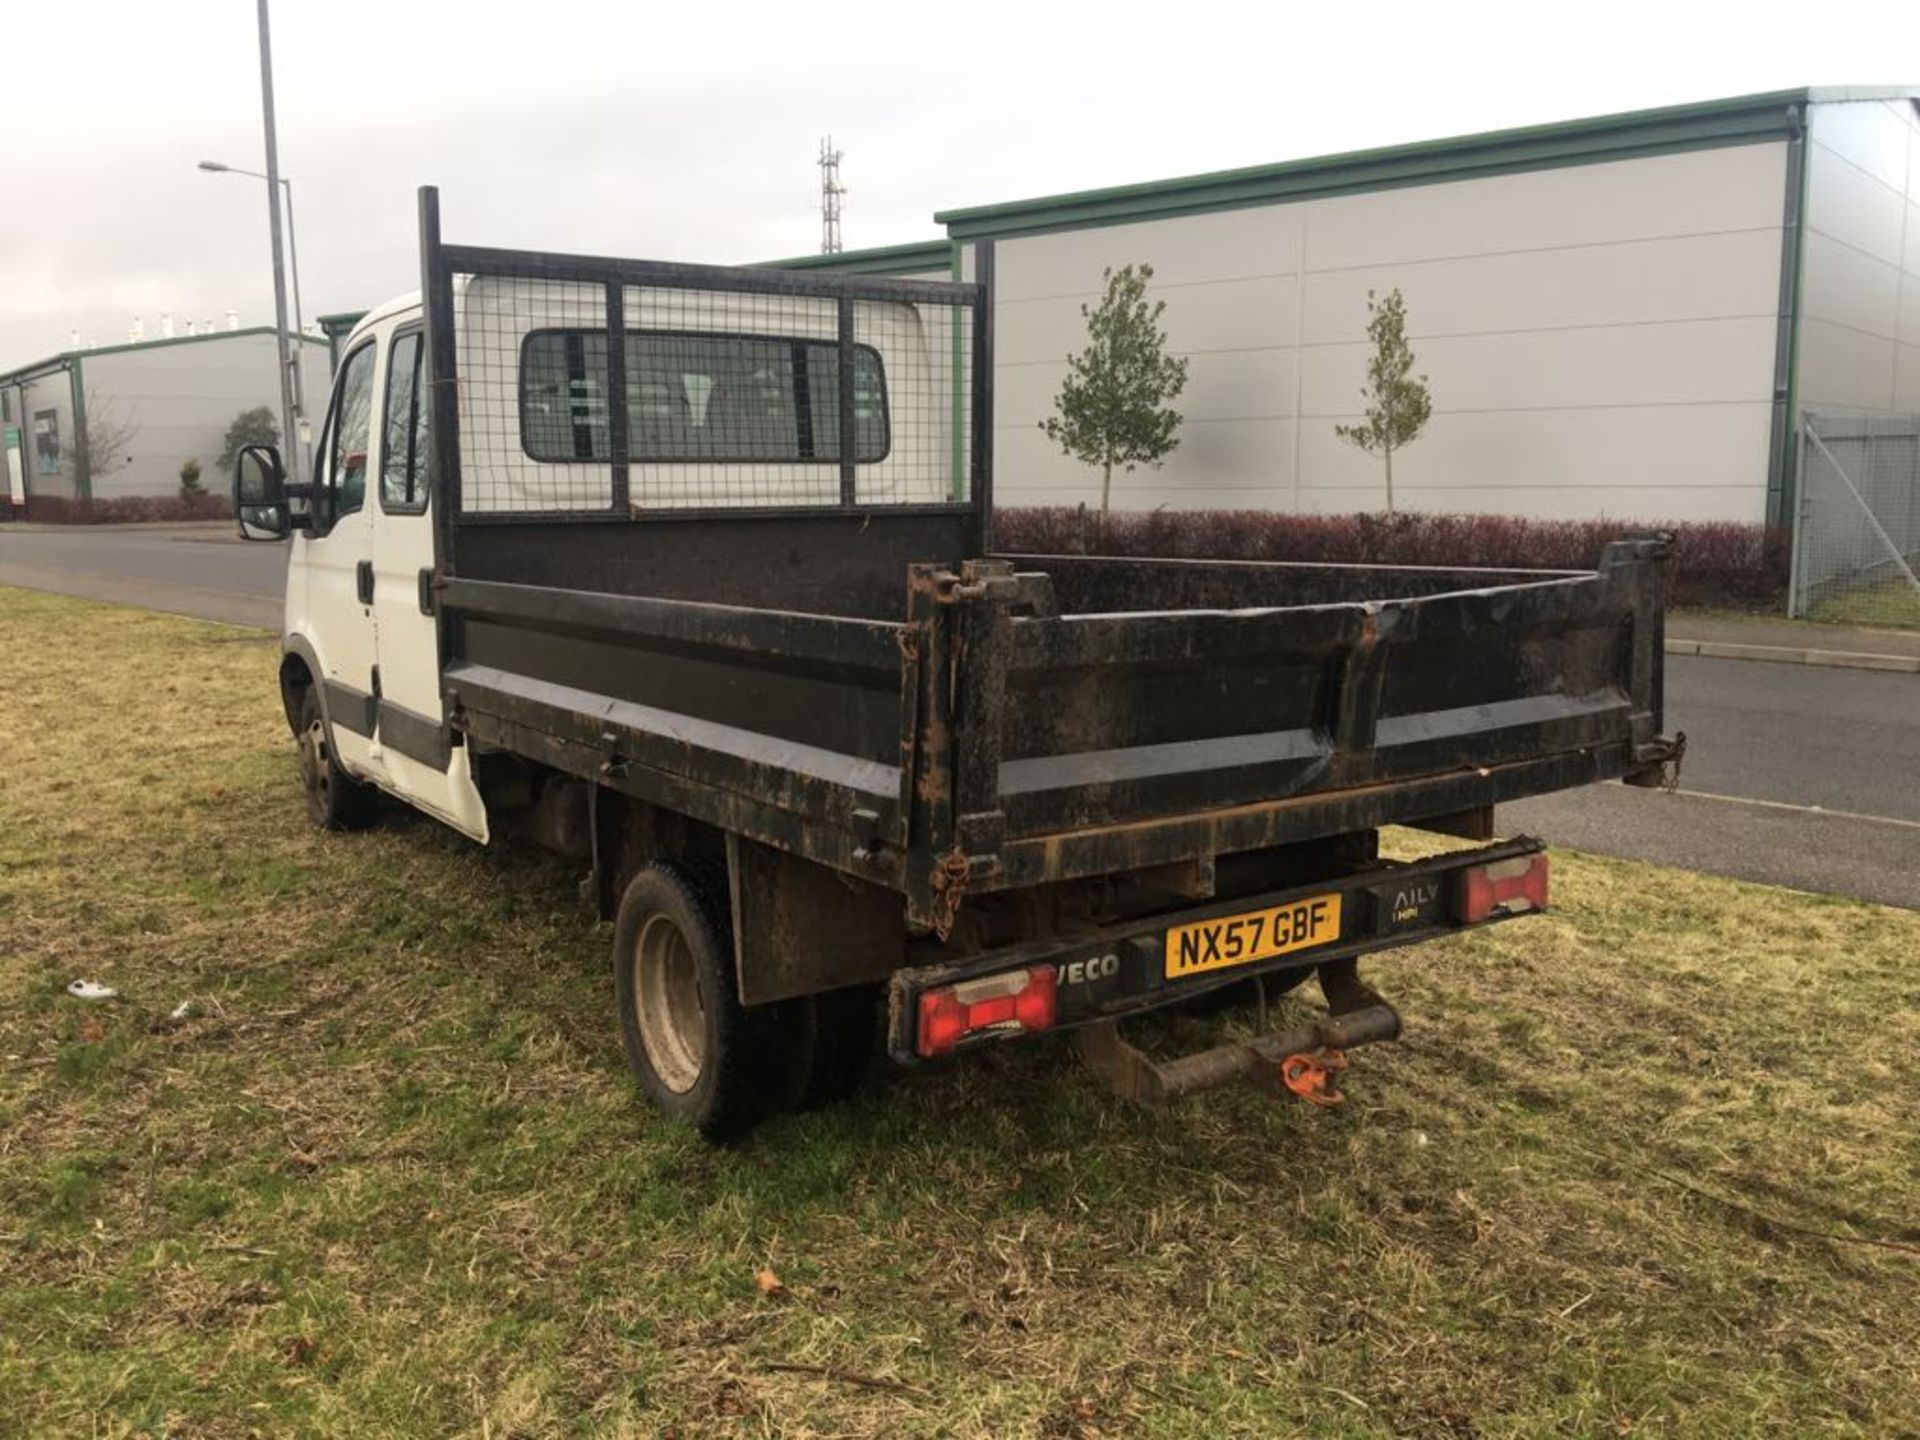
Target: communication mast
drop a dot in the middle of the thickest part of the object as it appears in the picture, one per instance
(830, 192)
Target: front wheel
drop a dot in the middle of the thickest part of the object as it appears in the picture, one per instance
(698, 1053)
(335, 800)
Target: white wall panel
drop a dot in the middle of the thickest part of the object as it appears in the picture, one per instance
(1621, 500)
(1860, 289)
(1023, 394)
(179, 400)
(1239, 385)
(1870, 134)
(1219, 315)
(1913, 152)
(1221, 385)
(1691, 277)
(1683, 363)
(1593, 335)
(1700, 192)
(1906, 380)
(1228, 314)
(1847, 286)
(1237, 464)
(1694, 461)
(1227, 245)
(1846, 202)
(1843, 368)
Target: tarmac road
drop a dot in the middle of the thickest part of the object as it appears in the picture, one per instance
(1795, 775)
(199, 570)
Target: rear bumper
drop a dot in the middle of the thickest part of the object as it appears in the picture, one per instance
(1121, 970)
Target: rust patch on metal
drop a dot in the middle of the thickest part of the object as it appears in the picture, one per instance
(949, 882)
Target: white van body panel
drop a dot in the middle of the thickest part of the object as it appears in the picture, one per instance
(381, 656)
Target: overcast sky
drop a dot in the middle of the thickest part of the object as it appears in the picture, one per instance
(689, 131)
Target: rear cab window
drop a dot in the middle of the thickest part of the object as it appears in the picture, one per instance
(699, 397)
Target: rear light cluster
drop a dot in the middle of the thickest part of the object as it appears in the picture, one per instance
(1506, 887)
(1010, 1003)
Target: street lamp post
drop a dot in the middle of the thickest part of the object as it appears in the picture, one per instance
(289, 375)
(218, 167)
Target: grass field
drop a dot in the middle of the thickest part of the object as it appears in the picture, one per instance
(1896, 605)
(387, 1177)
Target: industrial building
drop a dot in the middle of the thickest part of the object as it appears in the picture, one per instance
(113, 421)
(1622, 317)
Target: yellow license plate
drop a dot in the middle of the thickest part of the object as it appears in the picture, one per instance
(1257, 935)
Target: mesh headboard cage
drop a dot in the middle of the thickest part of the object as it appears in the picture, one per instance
(581, 388)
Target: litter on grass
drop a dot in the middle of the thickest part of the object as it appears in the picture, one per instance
(88, 990)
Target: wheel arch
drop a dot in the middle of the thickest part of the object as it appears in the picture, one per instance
(299, 673)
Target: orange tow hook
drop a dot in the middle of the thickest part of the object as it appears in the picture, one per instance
(1311, 1076)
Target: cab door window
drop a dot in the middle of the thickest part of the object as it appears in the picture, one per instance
(349, 432)
(403, 448)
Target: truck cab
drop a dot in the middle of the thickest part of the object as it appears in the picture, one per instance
(360, 637)
(742, 385)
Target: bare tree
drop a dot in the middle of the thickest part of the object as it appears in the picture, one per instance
(103, 444)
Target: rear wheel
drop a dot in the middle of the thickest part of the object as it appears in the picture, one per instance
(698, 1053)
(842, 1041)
(335, 800)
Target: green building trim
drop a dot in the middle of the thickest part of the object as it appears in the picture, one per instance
(1740, 120)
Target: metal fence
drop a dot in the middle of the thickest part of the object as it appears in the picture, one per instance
(1856, 538)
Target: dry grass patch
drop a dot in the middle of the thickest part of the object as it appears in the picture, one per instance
(388, 1176)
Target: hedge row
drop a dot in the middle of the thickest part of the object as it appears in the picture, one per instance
(128, 509)
(1717, 563)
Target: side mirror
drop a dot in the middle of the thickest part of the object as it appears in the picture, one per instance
(260, 494)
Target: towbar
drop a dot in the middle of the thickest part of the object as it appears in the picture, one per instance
(1132, 1075)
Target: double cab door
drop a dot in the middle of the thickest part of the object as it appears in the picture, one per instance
(366, 566)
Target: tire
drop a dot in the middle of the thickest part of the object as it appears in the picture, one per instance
(335, 800)
(700, 1056)
(843, 1037)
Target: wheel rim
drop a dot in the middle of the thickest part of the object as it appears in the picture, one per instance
(313, 764)
(666, 1004)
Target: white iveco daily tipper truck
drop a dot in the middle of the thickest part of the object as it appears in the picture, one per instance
(687, 572)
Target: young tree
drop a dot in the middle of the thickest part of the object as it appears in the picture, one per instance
(190, 479)
(249, 427)
(1113, 406)
(103, 448)
(1397, 401)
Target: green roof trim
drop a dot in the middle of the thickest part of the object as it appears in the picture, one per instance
(880, 260)
(67, 357)
(1740, 120)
